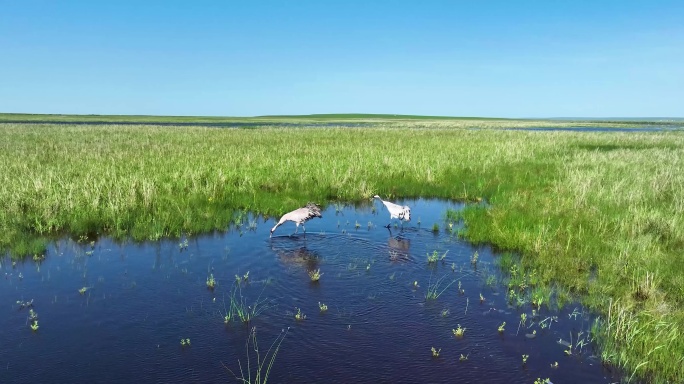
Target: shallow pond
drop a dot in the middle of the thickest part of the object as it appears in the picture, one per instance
(141, 299)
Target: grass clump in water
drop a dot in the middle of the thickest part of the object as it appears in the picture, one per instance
(502, 327)
(299, 316)
(459, 332)
(211, 282)
(239, 309)
(315, 275)
(434, 257)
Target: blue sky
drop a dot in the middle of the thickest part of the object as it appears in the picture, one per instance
(245, 58)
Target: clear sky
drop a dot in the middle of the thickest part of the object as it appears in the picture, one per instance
(244, 58)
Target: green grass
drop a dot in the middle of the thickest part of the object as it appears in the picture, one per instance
(596, 215)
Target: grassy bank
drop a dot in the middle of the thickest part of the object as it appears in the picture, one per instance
(600, 213)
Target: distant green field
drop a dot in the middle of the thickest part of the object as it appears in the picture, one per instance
(346, 116)
(21, 117)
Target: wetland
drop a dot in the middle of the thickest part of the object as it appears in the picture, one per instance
(593, 218)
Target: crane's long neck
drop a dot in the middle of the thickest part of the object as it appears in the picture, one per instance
(280, 222)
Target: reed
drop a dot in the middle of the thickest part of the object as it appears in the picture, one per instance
(437, 288)
(257, 372)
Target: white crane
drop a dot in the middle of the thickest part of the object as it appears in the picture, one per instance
(401, 212)
(299, 216)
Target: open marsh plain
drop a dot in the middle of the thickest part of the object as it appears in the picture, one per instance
(594, 216)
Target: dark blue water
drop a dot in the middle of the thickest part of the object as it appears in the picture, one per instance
(141, 299)
(645, 128)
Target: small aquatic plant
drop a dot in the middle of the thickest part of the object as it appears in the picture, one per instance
(185, 342)
(315, 275)
(83, 290)
(435, 352)
(539, 296)
(548, 321)
(435, 227)
(512, 296)
(474, 258)
(554, 365)
(183, 244)
(523, 320)
(211, 282)
(322, 307)
(574, 314)
(524, 359)
(445, 312)
(34, 325)
(458, 332)
(24, 304)
(502, 327)
(252, 225)
(482, 298)
(435, 257)
(299, 315)
(463, 357)
(542, 381)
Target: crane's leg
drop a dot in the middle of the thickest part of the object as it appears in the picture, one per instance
(296, 229)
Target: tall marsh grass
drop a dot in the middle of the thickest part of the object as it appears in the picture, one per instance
(600, 215)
